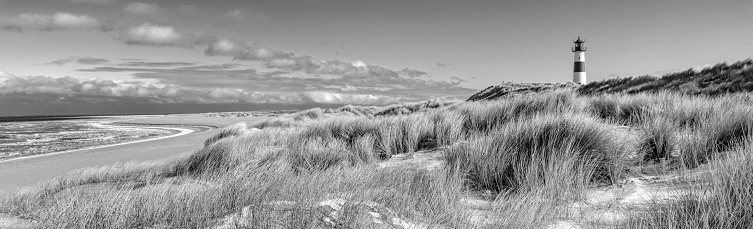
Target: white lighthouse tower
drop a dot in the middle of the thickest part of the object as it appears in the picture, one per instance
(579, 71)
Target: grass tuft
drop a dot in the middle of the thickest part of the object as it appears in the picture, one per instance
(658, 140)
(518, 156)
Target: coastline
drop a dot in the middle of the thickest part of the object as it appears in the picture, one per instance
(182, 131)
(34, 169)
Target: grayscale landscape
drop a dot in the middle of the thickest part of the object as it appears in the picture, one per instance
(376, 114)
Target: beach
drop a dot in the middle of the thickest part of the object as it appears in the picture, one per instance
(192, 130)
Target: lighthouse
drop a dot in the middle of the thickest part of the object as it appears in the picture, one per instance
(579, 71)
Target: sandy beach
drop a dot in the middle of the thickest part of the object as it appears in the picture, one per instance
(194, 129)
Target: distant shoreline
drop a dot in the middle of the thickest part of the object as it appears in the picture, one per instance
(45, 118)
(176, 122)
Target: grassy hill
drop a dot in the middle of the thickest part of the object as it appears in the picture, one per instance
(719, 79)
(511, 89)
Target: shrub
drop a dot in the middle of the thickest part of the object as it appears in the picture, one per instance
(695, 149)
(730, 127)
(517, 155)
(657, 140)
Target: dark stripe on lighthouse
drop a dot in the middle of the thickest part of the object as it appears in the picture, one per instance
(580, 66)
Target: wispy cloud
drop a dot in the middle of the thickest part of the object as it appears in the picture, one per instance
(92, 61)
(141, 8)
(376, 80)
(353, 73)
(121, 63)
(283, 76)
(216, 46)
(149, 34)
(281, 87)
(170, 93)
(60, 21)
(98, 2)
(150, 64)
(79, 60)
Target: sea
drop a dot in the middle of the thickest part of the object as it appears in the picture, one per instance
(36, 136)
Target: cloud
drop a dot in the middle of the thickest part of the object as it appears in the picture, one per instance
(412, 73)
(149, 34)
(358, 73)
(240, 51)
(37, 84)
(457, 80)
(376, 80)
(60, 62)
(156, 64)
(290, 72)
(98, 87)
(170, 93)
(355, 73)
(5, 76)
(68, 20)
(142, 8)
(98, 2)
(92, 61)
(315, 66)
(79, 60)
(441, 65)
(127, 63)
(60, 21)
(339, 98)
(348, 88)
(358, 64)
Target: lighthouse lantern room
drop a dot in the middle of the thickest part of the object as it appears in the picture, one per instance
(579, 71)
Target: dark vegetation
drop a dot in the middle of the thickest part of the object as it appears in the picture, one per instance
(719, 79)
(509, 89)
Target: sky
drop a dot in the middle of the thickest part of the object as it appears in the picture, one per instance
(123, 56)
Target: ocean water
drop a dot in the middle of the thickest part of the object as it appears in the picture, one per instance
(26, 138)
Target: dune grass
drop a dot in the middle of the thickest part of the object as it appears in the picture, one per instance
(658, 139)
(725, 200)
(530, 156)
(718, 80)
(519, 156)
